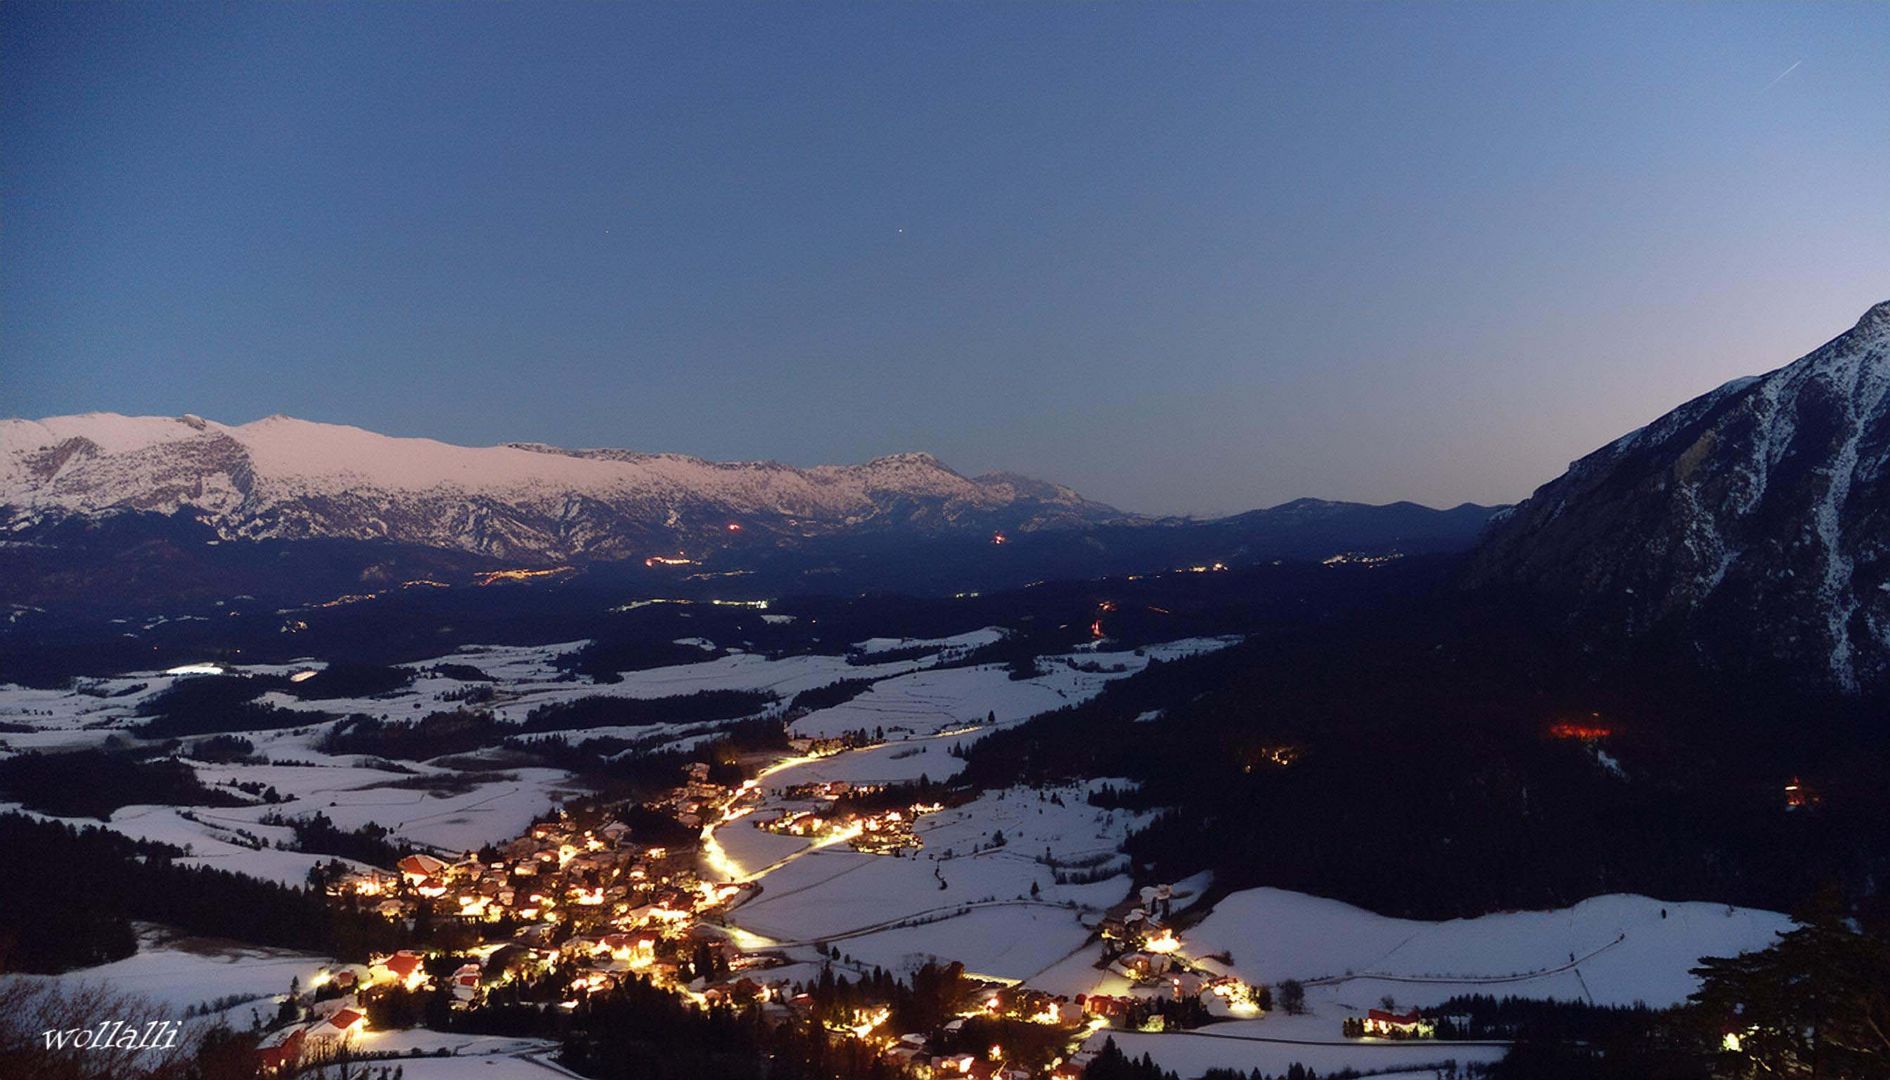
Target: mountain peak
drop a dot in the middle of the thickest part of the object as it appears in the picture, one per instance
(1749, 518)
(910, 457)
(286, 478)
(1872, 333)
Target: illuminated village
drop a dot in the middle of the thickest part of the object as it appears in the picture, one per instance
(579, 905)
(837, 894)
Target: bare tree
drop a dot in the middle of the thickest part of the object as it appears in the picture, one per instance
(31, 1007)
(1292, 997)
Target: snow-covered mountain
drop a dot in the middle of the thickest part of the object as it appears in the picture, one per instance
(283, 478)
(1752, 522)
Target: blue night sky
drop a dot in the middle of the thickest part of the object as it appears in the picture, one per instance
(1185, 258)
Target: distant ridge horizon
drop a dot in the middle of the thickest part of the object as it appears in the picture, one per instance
(62, 423)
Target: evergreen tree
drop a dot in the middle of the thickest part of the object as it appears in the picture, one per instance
(1815, 1004)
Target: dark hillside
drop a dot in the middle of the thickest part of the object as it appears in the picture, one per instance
(1445, 759)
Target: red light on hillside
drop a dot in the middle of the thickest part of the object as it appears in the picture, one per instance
(998, 538)
(732, 527)
(1584, 732)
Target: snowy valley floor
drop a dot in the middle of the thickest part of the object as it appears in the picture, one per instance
(963, 896)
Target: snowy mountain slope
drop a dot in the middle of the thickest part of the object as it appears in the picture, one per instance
(292, 479)
(1754, 519)
(95, 503)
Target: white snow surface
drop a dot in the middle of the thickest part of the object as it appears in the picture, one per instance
(181, 972)
(934, 701)
(970, 640)
(894, 911)
(1349, 959)
(1624, 950)
(1316, 1045)
(284, 477)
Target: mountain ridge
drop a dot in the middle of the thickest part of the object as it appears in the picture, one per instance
(1753, 519)
(283, 478)
(100, 507)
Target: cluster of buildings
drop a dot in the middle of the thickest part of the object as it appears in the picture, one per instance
(700, 801)
(591, 901)
(918, 1054)
(554, 874)
(1139, 946)
(1385, 1024)
(887, 832)
(882, 832)
(588, 903)
(332, 1028)
(826, 746)
(910, 1052)
(828, 789)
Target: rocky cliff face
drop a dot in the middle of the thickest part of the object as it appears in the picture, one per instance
(1754, 520)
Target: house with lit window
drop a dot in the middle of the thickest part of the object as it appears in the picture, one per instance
(406, 968)
(340, 1026)
(417, 867)
(1380, 1023)
(279, 1051)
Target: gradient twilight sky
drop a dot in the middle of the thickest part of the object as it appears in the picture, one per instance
(1184, 258)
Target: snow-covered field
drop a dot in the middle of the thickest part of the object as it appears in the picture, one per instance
(1609, 950)
(889, 763)
(930, 702)
(971, 640)
(784, 677)
(830, 891)
(455, 1044)
(1238, 1045)
(1015, 941)
(958, 898)
(181, 973)
(963, 896)
(354, 790)
(912, 700)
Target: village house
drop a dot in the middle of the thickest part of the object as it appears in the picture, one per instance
(1143, 966)
(343, 977)
(1184, 984)
(465, 982)
(418, 867)
(1107, 1006)
(364, 883)
(404, 968)
(340, 1027)
(280, 1050)
(1390, 1025)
